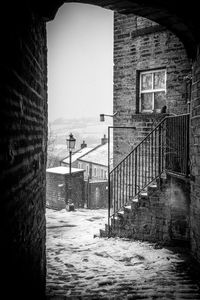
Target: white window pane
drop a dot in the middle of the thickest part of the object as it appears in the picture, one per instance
(146, 102)
(146, 81)
(159, 80)
(159, 100)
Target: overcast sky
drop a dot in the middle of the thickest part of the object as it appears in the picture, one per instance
(80, 62)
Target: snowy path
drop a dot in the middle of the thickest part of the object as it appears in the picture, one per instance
(80, 266)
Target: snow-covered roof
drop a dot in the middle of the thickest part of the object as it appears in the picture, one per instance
(79, 153)
(98, 155)
(98, 180)
(63, 170)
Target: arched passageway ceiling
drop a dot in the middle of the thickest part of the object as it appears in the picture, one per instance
(181, 17)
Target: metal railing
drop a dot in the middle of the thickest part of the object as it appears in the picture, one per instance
(177, 144)
(165, 148)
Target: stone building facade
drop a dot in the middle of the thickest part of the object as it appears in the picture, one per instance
(94, 160)
(152, 79)
(150, 70)
(95, 163)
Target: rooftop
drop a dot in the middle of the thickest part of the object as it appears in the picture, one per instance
(77, 154)
(98, 155)
(63, 170)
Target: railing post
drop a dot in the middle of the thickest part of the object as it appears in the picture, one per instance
(188, 145)
(135, 171)
(159, 150)
(109, 190)
(167, 144)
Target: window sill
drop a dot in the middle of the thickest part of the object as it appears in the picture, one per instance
(152, 114)
(149, 116)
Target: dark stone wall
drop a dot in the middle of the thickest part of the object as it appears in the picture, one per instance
(23, 132)
(195, 160)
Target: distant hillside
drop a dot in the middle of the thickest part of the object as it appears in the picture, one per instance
(91, 130)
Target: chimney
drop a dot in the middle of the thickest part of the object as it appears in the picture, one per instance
(83, 145)
(104, 140)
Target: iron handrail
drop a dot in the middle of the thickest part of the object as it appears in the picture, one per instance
(163, 120)
(165, 148)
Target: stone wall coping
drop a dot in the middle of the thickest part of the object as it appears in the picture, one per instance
(64, 170)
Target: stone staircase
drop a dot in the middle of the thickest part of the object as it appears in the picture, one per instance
(150, 217)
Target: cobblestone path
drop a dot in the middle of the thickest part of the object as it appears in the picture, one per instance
(80, 266)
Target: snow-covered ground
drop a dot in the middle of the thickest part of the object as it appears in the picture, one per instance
(82, 266)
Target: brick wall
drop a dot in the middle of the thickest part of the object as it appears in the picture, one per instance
(57, 191)
(96, 194)
(162, 216)
(23, 116)
(139, 45)
(125, 139)
(195, 161)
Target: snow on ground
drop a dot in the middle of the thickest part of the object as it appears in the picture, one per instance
(79, 265)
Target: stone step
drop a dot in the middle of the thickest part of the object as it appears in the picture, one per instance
(103, 233)
(144, 202)
(120, 223)
(135, 199)
(161, 182)
(114, 221)
(127, 208)
(120, 214)
(134, 203)
(143, 195)
(153, 185)
(106, 228)
(152, 188)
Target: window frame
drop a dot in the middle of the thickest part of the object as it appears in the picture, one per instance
(105, 174)
(152, 91)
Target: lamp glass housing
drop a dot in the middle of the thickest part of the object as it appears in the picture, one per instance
(102, 118)
(71, 142)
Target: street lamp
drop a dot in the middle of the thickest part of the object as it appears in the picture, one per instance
(70, 145)
(102, 116)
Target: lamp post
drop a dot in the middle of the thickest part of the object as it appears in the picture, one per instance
(102, 119)
(70, 145)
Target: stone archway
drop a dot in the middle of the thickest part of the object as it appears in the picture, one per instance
(23, 123)
(179, 18)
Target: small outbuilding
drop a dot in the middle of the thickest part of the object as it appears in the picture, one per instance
(59, 182)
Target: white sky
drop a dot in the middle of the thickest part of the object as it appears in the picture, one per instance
(80, 62)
